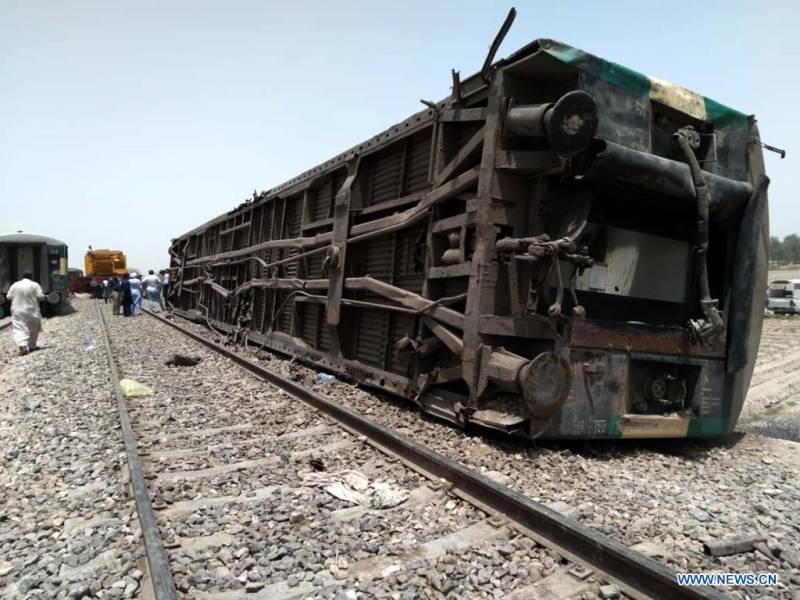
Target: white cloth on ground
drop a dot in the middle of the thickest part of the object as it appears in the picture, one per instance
(354, 487)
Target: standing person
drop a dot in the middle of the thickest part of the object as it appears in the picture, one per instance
(26, 320)
(116, 294)
(164, 288)
(106, 289)
(152, 284)
(136, 293)
(127, 295)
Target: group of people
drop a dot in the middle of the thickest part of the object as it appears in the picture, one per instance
(129, 292)
(25, 296)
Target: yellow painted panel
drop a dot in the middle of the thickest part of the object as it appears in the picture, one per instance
(653, 426)
(678, 98)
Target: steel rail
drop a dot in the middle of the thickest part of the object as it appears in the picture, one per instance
(157, 562)
(636, 573)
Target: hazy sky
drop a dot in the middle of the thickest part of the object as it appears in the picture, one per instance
(123, 124)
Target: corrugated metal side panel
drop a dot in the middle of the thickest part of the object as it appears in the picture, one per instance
(266, 222)
(227, 239)
(321, 199)
(309, 322)
(256, 223)
(386, 175)
(259, 302)
(284, 320)
(241, 237)
(417, 162)
(269, 308)
(314, 266)
(294, 216)
(291, 268)
(372, 337)
(379, 258)
(412, 283)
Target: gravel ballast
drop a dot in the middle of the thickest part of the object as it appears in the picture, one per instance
(229, 457)
(665, 497)
(67, 527)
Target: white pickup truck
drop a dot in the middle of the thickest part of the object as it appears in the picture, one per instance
(783, 296)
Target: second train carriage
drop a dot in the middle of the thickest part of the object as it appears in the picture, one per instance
(562, 248)
(43, 256)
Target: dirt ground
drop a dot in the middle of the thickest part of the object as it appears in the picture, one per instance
(773, 402)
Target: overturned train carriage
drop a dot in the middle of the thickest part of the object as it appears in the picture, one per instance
(562, 248)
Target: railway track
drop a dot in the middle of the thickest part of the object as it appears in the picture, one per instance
(243, 496)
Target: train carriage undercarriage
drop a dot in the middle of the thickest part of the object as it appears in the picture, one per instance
(561, 248)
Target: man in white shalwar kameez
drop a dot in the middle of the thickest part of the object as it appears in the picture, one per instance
(26, 320)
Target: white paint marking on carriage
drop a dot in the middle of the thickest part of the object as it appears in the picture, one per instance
(478, 534)
(316, 430)
(244, 465)
(558, 586)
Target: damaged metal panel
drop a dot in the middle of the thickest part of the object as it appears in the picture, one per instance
(563, 248)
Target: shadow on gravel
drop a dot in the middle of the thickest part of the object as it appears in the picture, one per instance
(782, 427)
(685, 448)
(607, 450)
(64, 309)
(594, 450)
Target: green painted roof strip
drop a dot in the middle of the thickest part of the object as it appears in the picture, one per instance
(632, 81)
(722, 115)
(610, 72)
